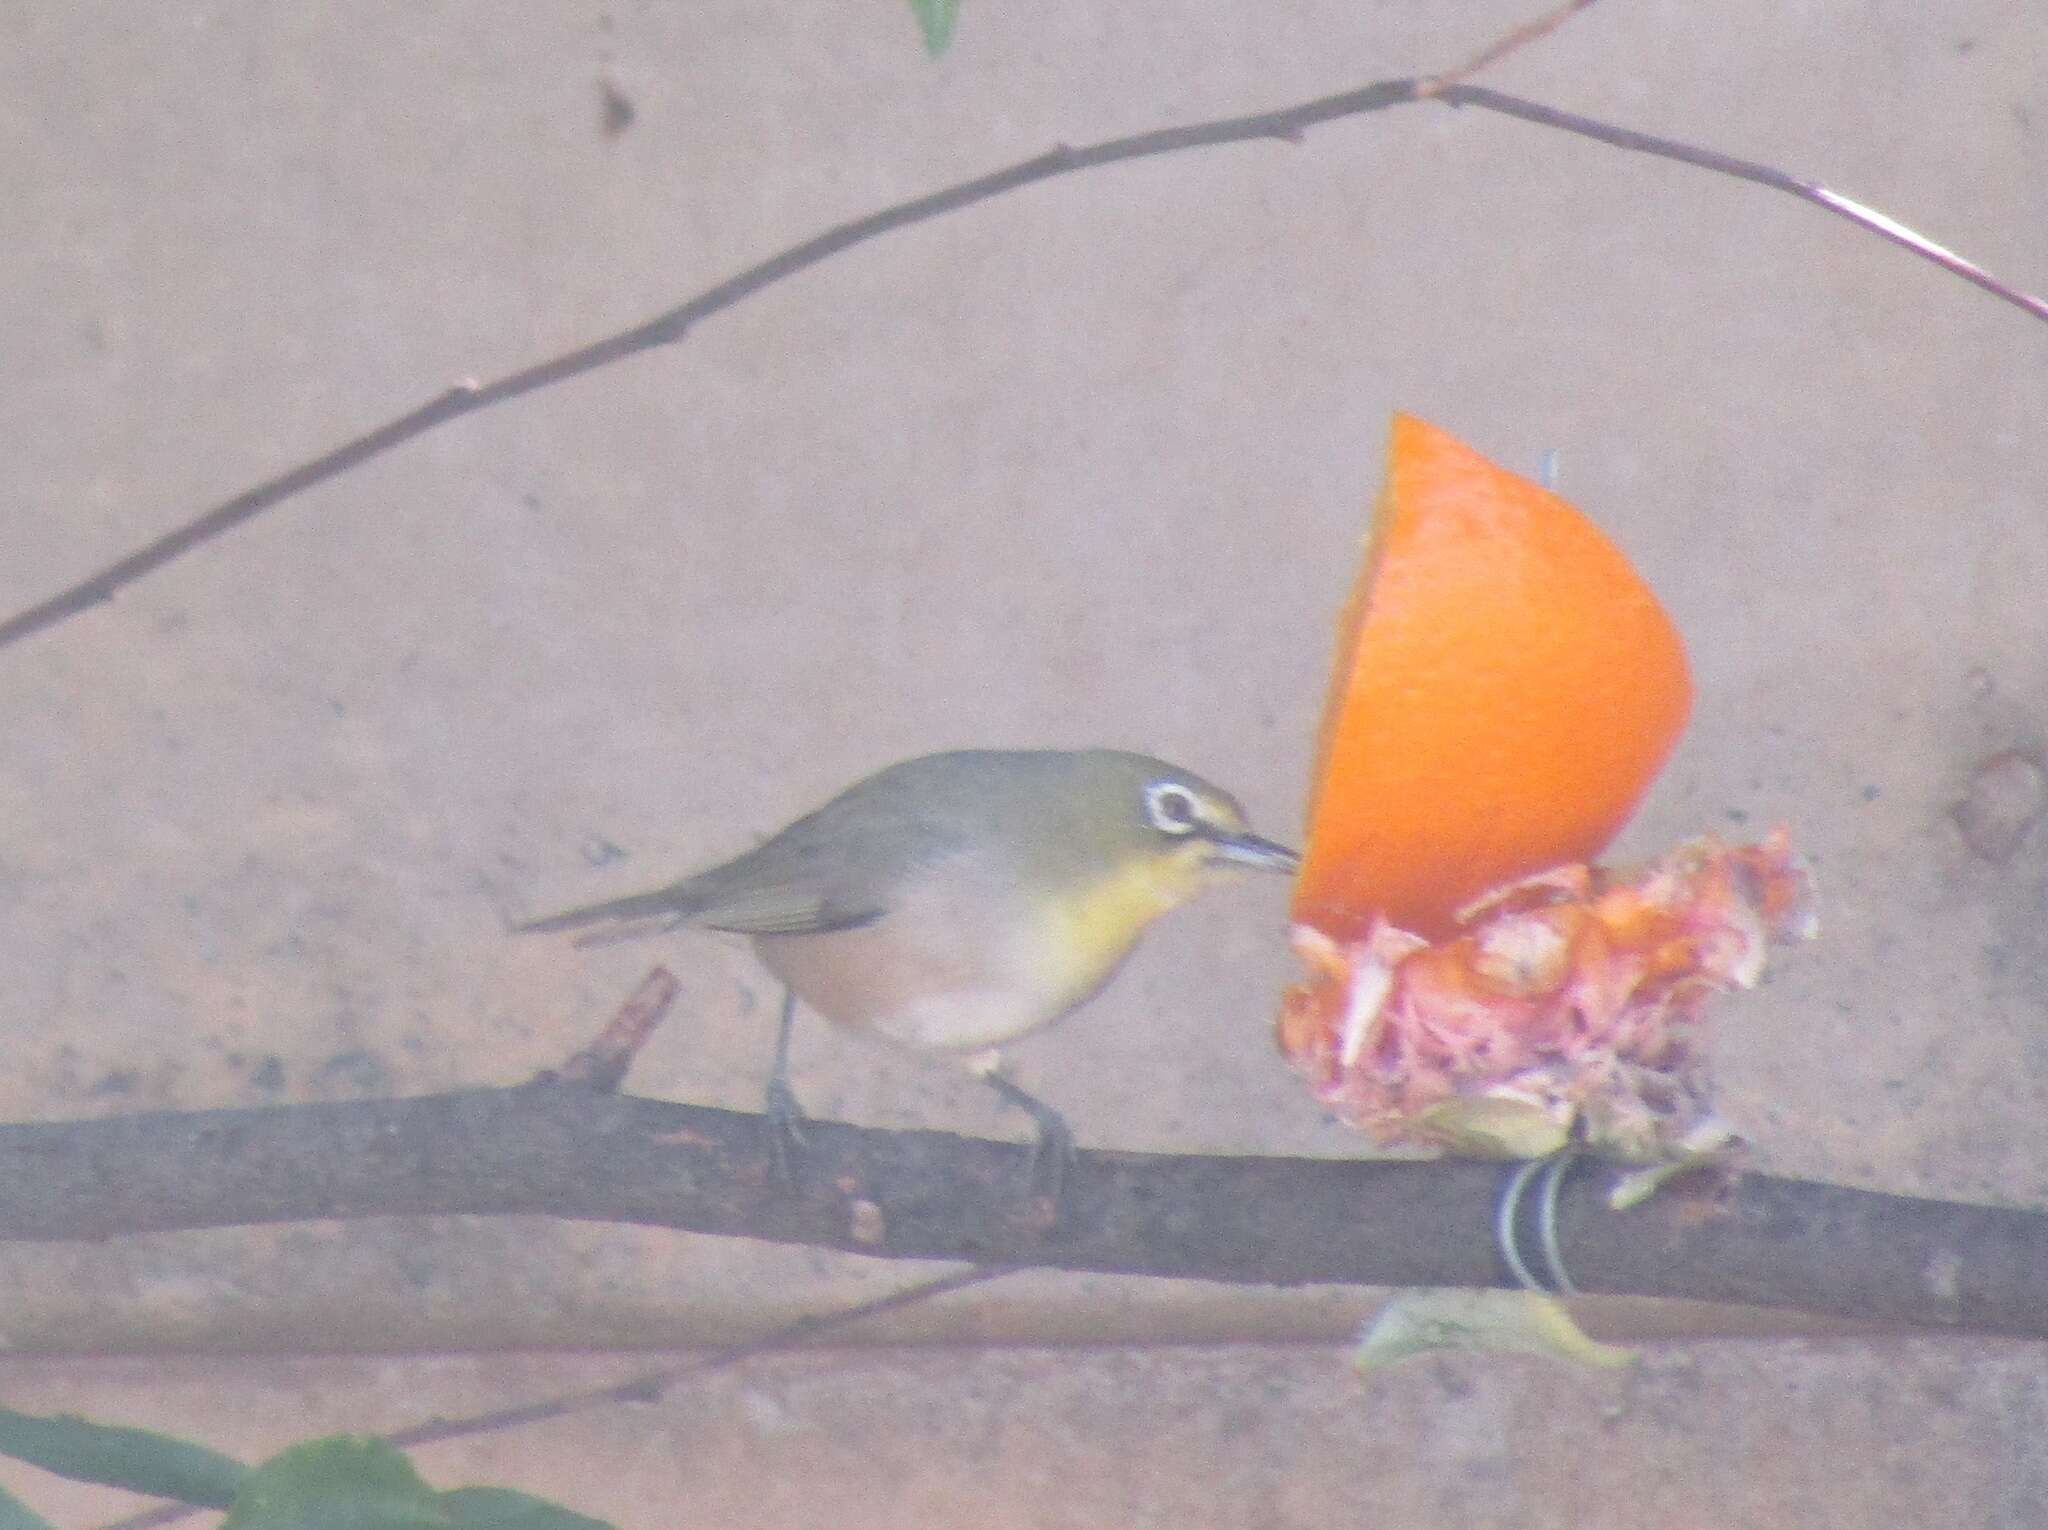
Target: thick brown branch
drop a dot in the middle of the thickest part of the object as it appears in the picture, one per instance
(563, 1151)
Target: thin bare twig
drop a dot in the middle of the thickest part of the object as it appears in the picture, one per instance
(1286, 125)
(650, 1386)
(665, 328)
(1748, 170)
(1510, 42)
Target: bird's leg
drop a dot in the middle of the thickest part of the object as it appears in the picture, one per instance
(1053, 1153)
(785, 1116)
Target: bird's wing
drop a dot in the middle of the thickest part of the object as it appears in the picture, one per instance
(746, 911)
(785, 911)
(834, 869)
(838, 869)
(737, 897)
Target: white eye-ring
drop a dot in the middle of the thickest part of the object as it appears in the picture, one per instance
(1172, 808)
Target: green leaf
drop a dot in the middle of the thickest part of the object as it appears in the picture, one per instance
(134, 1459)
(935, 19)
(342, 1482)
(1496, 1126)
(503, 1509)
(14, 1515)
(1487, 1322)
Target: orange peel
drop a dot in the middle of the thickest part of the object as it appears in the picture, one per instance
(1506, 686)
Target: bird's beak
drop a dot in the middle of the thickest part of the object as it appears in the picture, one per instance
(1249, 849)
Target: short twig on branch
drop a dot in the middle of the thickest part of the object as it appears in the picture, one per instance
(604, 1063)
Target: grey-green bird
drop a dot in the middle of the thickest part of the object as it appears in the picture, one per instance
(957, 901)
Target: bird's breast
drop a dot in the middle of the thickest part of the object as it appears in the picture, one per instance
(951, 972)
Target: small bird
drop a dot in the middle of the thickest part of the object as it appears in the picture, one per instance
(955, 902)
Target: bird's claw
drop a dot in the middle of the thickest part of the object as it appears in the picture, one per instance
(1052, 1156)
(1052, 1153)
(784, 1117)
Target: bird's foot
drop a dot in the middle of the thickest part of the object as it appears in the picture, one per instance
(1052, 1159)
(1052, 1153)
(784, 1118)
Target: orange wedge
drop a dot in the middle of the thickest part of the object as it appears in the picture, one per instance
(1505, 688)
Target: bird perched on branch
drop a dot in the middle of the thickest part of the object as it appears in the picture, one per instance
(955, 902)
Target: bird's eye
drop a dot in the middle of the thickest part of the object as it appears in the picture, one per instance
(1171, 807)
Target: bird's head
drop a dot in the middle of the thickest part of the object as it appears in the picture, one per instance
(1143, 836)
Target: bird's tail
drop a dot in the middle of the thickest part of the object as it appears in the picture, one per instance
(663, 908)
